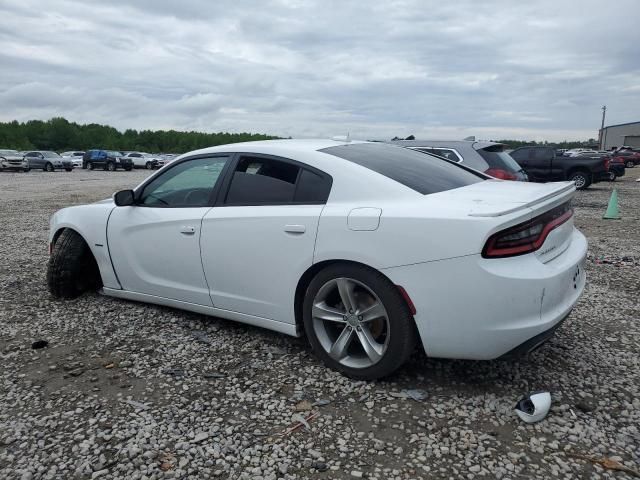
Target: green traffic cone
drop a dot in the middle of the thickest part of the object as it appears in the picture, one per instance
(612, 212)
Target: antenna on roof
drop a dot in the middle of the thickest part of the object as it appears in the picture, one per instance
(342, 138)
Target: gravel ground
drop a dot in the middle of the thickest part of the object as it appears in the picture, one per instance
(127, 390)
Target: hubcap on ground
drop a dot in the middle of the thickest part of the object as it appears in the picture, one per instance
(350, 323)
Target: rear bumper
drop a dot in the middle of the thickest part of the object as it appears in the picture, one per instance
(533, 343)
(476, 308)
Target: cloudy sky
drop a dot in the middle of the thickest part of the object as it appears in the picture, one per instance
(436, 69)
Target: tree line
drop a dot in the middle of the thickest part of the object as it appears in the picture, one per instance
(59, 134)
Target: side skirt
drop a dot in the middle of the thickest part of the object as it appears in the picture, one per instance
(286, 328)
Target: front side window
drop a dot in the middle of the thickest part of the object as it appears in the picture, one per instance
(188, 184)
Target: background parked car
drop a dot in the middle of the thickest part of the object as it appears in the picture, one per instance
(616, 168)
(109, 160)
(75, 157)
(144, 160)
(629, 157)
(47, 160)
(487, 157)
(13, 160)
(542, 165)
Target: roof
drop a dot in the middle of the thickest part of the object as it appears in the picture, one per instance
(622, 124)
(290, 145)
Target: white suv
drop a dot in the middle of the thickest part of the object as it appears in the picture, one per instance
(144, 160)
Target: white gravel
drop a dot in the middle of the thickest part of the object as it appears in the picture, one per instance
(127, 390)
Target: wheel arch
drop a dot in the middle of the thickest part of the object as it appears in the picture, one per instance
(56, 236)
(313, 270)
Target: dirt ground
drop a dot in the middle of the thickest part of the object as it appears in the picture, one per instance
(127, 390)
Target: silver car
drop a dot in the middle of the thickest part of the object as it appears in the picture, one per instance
(47, 160)
(13, 160)
(487, 157)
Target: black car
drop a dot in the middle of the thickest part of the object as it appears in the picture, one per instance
(106, 159)
(543, 165)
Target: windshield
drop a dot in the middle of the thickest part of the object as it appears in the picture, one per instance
(496, 157)
(113, 153)
(50, 154)
(421, 172)
(8, 152)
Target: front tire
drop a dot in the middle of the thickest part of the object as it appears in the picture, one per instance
(90, 166)
(148, 166)
(612, 176)
(48, 167)
(110, 166)
(581, 179)
(72, 268)
(357, 322)
(630, 164)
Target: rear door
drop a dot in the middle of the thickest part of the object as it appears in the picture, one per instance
(259, 238)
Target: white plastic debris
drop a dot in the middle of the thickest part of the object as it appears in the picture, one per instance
(533, 408)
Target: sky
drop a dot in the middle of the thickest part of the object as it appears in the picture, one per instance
(496, 69)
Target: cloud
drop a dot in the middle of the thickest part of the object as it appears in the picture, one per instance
(493, 69)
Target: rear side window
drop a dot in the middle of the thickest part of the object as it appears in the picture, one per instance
(266, 181)
(496, 157)
(542, 153)
(520, 154)
(312, 188)
(410, 168)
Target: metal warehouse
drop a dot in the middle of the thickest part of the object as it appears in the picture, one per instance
(623, 134)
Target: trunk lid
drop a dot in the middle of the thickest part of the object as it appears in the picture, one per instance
(496, 198)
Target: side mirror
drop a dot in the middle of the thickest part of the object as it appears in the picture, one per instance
(124, 198)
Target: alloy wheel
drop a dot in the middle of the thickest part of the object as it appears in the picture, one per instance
(580, 181)
(350, 322)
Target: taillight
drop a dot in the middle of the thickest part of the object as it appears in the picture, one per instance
(526, 237)
(501, 174)
(606, 163)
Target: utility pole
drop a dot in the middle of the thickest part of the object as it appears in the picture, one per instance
(601, 135)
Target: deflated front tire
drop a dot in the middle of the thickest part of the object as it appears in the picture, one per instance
(72, 269)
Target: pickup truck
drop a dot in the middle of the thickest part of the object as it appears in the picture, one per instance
(543, 165)
(107, 159)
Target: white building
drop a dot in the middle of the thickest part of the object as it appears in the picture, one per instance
(623, 134)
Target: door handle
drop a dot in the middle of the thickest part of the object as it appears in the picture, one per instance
(295, 228)
(187, 230)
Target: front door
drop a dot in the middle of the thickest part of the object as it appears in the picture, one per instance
(155, 244)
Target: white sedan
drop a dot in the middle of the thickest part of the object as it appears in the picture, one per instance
(366, 248)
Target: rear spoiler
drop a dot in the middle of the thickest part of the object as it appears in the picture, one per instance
(563, 188)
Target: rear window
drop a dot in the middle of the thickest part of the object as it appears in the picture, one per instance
(423, 173)
(496, 157)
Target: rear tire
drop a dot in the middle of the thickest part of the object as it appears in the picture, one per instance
(393, 333)
(68, 169)
(630, 164)
(72, 268)
(612, 176)
(581, 179)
